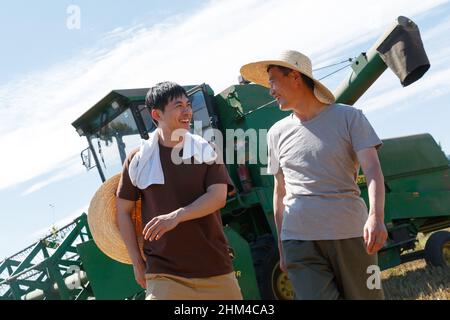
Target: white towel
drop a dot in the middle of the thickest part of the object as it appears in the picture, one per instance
(145, 168)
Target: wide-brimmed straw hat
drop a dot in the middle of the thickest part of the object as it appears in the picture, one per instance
(257, 72)
(102, 220)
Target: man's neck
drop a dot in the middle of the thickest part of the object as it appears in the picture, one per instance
(309, 109)
(167, 138)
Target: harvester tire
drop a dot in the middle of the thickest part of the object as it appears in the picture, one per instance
(437, 249)
(272, 282)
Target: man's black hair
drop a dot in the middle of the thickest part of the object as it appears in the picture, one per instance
(285, 71)
(160, 95)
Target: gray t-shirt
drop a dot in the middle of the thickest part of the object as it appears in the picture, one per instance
(320, 167)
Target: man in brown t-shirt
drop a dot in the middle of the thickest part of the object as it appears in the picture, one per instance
(185, 250)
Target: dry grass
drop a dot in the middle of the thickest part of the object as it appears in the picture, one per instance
(417, 281)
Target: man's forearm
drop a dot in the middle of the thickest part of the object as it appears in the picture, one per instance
(208, 203)
(129, 237)
(376, 192)
(279, 191)
(278, 209)
(214, 199)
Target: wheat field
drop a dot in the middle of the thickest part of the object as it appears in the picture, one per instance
(417, 281)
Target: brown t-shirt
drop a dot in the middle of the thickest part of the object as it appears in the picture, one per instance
(196, 248)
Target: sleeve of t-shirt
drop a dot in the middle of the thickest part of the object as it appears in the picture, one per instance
(362, 134)
(217, 173)
(126, 190)
(273, 164)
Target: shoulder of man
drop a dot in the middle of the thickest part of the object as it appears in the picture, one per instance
(343, 113)
(346, 109)
(131, 155)
(277, 126)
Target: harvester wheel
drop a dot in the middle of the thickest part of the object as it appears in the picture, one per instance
(273, 283)
(437, 249)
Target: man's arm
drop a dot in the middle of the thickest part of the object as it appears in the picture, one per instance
(214, 199)
(375, 233)
(279, 192)
(126, 227)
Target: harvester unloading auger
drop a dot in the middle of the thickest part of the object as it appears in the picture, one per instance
(69, 265)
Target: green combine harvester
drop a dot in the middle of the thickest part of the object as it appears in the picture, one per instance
(68, 265)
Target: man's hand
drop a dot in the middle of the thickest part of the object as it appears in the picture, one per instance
(375, 234)
(159, 225)
(139, 269)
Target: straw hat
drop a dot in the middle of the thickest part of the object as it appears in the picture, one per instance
(102, 220)
(257, 72)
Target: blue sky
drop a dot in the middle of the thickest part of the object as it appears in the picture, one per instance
(50, 75)
(38, 37)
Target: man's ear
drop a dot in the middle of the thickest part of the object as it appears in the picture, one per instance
(156, 114)
(295, 75)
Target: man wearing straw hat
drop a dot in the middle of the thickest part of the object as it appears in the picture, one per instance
(327, 237)
(186, 253)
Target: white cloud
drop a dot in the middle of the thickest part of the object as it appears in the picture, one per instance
(434, 86)
(70, 169)
(69, 218)
(208, 46)
(437, 31)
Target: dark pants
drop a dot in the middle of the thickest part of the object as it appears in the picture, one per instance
(331, 269)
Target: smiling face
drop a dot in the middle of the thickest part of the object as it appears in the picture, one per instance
(177, 114)
(284, 87)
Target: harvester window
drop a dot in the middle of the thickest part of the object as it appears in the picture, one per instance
(147, 118)
(114, 141)
(201, 116)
